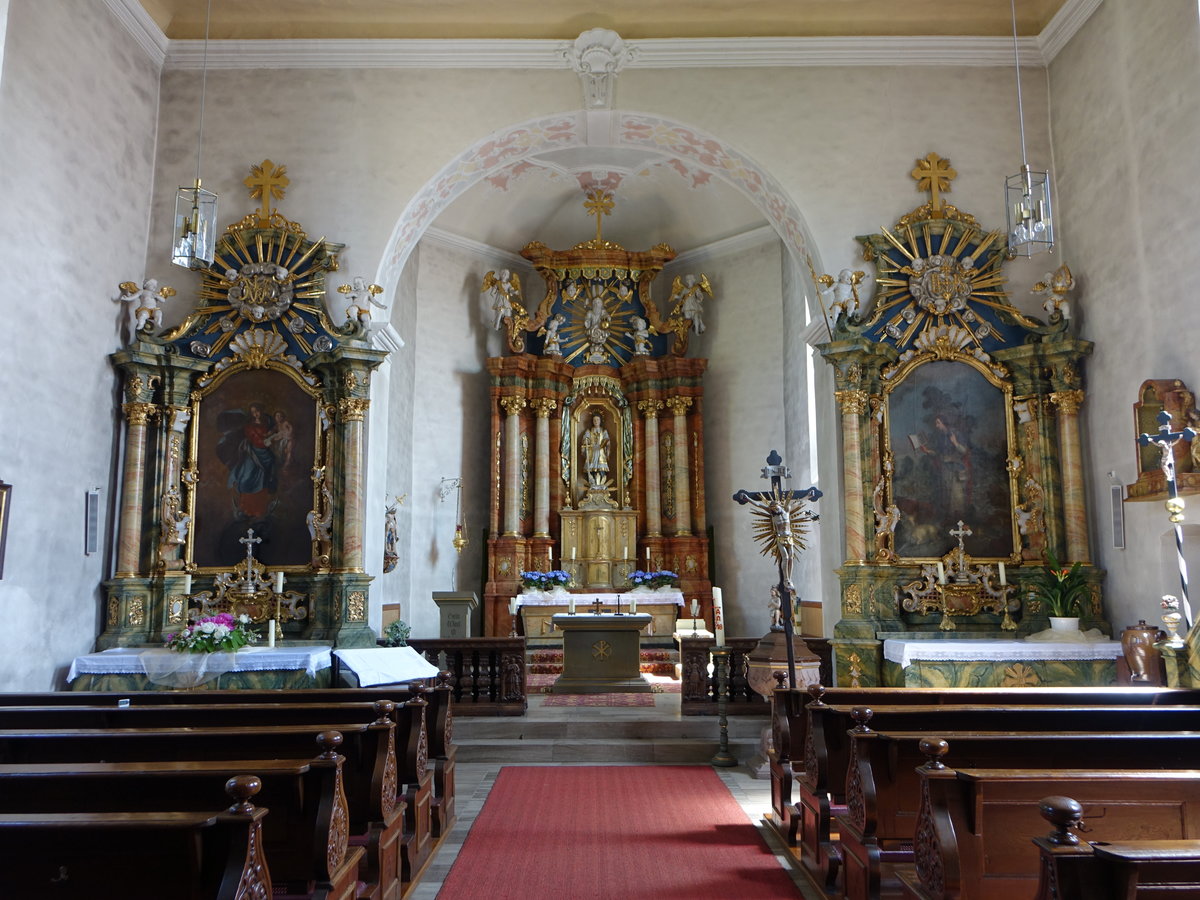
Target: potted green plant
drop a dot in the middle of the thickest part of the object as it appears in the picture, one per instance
(1061, 591)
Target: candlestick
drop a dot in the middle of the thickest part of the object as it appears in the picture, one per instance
(1003, 576)
(271, 633)
(718, 616)
(187, 584)
(279, 582)
(941, 573)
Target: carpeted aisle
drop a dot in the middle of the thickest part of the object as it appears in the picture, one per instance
(614, 833)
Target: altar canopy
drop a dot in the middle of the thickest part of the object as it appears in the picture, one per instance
(596, 424)
(244, 443)
(962, 460)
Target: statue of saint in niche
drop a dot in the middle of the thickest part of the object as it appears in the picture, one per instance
(594, 446)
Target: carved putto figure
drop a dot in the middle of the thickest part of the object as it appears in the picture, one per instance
(360, 297)
(841, 296)
(687, 299)
(504, 289)
(553, 345)
(1053, 289)
(145, 304)
(641, 337)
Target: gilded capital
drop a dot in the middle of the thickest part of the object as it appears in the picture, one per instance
(352, 409)
(1067, 401)
(649, 408)
(542, 406)
(679, 405)
(851, 402)
(138, 413)
(512, 404)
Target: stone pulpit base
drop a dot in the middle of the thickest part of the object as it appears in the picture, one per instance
(601, 654)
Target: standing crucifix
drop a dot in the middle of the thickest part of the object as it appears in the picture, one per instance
(1165, 440)
(249, 540)
(781, 523)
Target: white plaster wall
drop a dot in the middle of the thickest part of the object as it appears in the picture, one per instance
(1126, 125)
(77, 107)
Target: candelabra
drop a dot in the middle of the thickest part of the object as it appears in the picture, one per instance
(723, 757)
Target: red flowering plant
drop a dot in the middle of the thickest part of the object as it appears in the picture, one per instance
(1061, 589)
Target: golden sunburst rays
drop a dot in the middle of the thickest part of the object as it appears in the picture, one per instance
(620, 310)
(774, 540)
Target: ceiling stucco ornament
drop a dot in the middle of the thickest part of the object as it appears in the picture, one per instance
(598, 56)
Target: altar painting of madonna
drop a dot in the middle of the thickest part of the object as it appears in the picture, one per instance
(254, 450)
(948, 433)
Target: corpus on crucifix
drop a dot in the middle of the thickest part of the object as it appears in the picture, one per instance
(1165, 440)
(781, 522)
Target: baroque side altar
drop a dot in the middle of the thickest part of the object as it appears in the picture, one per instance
(597, 448)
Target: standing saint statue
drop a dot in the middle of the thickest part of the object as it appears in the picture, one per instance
(594, 444)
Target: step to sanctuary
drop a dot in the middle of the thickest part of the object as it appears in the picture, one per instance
(549, 661)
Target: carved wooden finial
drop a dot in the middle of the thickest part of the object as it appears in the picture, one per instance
(933, 749)
(329, 742)
(816, 692)
(1064, 814)
(862, 716)
(241, 788)
(383, 711)
(780, 680)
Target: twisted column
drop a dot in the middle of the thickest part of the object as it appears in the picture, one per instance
(542, 407)
(352, 411)
(853, 404)
(512, 464)
(1071, 455)
(649, 410)
(130, 539)
(683, 504)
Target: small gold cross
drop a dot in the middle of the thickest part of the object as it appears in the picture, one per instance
(933, 174)
(266, 182)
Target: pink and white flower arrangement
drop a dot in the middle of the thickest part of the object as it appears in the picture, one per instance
(211, 634)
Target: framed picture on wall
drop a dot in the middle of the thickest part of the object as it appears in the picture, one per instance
(5, 497)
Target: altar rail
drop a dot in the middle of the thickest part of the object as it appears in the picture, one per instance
(699, 689)
(488, 674)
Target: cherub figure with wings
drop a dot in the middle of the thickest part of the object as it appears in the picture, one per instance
(843, 295)
(505, 291)
(145, 304)
(360, 298)
(1054, 288)
(687, 299)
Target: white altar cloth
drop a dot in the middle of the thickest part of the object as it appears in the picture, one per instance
(386, 665)
(162, 666)
(554, 598)
(907, 652)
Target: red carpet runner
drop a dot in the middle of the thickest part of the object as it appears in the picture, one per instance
(614, 833)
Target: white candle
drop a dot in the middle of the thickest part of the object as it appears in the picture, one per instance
(187, 584)
(279, 582)
(571, 605)
(632, 605)
(1003, 576)
(625, 552)
(941, 573)
(572, 554)
(695, 608)
(718, 616)
(647, 557)
(512, 606)
(271, 633)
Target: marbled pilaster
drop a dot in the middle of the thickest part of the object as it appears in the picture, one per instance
(683, 503)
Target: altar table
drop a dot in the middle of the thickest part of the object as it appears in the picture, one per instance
(153, 669)
(538, 609)
(601, 654)
(386, 665)
(999, 663)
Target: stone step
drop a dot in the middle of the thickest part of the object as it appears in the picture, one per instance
(469, 729)
(653, 750)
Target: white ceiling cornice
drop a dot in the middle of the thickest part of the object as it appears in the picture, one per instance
(738, 243)
(1068, 20)
(654, 54)
(144, 29)
(494, 255)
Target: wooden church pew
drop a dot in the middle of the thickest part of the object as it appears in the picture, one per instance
(182, 855)
(883, 789)
(975, 828)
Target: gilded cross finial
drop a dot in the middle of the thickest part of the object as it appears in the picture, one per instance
(266, 183)
(933, 174)
(599, 203)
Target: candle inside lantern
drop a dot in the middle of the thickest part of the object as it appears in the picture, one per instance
(187, 584)
(271, 633)
(1003, 576)
(718, 616)
(941, 573)
(279, 582)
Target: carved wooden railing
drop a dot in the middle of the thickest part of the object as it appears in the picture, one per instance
(488, 674)
(699, 688)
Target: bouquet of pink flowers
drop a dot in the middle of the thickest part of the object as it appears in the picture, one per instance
(211, 634)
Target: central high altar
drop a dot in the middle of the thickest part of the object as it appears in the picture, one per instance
(597, 447)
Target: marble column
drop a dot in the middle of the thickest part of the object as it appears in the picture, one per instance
(132, 477)
(542, 407)
(1071, 458)
(683, 503)
(649, 409)
(853, 404)
(352, 411)
(512, 464)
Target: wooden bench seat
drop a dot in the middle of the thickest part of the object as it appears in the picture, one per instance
(138, 855)
(976, 827)
(821, 786)
(883, 788)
